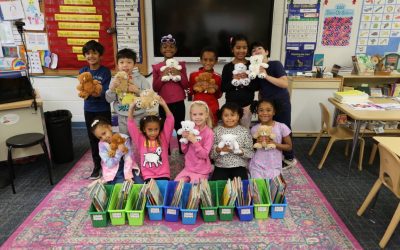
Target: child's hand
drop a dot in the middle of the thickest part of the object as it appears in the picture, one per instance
(174, 71)
(121, 147)
(133, 88)
(114, 84)
(191, 137)
(185, 134)
(226, 149)
(129, 179)
(162, 102)
(263, 70)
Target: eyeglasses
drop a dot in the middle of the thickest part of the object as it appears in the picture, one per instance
(168, 39)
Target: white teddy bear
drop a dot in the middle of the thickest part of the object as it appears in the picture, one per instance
(256, 62)
(239, 69)
(188, 126)
(230, 141)
(171, 63)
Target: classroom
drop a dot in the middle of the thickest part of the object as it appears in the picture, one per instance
(155, 124)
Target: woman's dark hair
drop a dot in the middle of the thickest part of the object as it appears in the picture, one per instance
(147, 119)
(92, 45)
(256, 104)
(209, 49)
(97, 122)
(238, 37)
(232, 107)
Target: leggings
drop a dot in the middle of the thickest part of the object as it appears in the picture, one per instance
(229, 173)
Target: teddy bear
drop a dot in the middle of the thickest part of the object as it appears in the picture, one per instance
(256, 62)
(171, 63)
(263, 132)
(230, 141)
(126, 97)
(188, 126)
(205, 83)
(148, 99)
(88, 86)
(240, 77)
(117, 140)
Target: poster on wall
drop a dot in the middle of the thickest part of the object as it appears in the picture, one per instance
(337, 26)
(379, 29)
(301, 38)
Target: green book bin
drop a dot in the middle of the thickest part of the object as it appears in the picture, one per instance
(210, 213)
(261, 210)
(99, 219)
(225, 212)
(117, 216)
(135, 217)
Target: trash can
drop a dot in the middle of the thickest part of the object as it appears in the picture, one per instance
(59, 133)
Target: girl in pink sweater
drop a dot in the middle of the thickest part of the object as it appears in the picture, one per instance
(197, 150)
(152, 140)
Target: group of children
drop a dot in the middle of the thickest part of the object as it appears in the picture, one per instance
(147, 137)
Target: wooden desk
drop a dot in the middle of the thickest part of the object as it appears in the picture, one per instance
(360, 115)
(17, 118)
(390, 142)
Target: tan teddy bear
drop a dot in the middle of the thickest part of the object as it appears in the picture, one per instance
(122, 89)
(117, 140)
(148, 99)
(263, 132)
(87, 86)
(205, 83)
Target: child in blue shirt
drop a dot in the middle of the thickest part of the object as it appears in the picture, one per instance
(96, 106)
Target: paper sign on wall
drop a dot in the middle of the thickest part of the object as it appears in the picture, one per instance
(12, 10)
(36, 41)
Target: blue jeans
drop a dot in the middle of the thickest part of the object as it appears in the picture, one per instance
(119, 177)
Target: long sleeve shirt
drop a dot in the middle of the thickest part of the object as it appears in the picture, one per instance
(153, 157)
(110, 165)
(242, 95)
(197, 155)
(232, 160)
(98, 104)
(171, 91)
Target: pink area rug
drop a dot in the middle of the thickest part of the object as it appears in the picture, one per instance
(61, 221)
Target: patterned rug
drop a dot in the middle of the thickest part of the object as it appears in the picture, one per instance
(61, 221)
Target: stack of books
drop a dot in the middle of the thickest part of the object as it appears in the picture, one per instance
(205, 194)
(154, 195)
(255, 193)
(242, 201)
(351, 96)
(194, 197)
(230, 193)
(141, 200)
(123, 194)
(99, 197)
(278, 189)
(176, 200)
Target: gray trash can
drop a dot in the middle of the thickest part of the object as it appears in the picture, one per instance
(59, 132)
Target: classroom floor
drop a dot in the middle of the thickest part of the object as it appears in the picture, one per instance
(344, 193)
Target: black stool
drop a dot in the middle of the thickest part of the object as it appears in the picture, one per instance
(25, 141)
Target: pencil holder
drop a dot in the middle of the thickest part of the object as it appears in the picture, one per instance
(135, 217)
(189, 216)
(261, 210)
(210, 213)
(100, 219)
(117, 216)
(171, 213)
(245, 213)
(155, 212)
(225, 212)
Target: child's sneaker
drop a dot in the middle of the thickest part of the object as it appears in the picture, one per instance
(287, 164)
(96, 174)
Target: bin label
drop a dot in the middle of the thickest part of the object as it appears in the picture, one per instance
(278, 209)
(171, 211)
(188, 215)
(246, 211)
(225, 211)
(154, 210)
(209, 212)
(134, 215)
(97, 217)
(262, 209)
(116, 215)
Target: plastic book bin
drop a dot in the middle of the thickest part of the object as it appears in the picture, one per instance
(261, 211)
(189, 216)
(156, 212)
(135, 217)
(277, 209)
(225, 212)
(245, 213)
(171, 213)
(210, 213)
(117, 216)
(99, 219)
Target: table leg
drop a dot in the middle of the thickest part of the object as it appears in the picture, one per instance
(357, 125)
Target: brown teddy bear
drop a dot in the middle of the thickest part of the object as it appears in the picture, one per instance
(117, 140)
(88, 86)
(205, 83)
(148, 99)
(263, 132)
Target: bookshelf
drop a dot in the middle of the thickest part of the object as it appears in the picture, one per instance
(373, 81)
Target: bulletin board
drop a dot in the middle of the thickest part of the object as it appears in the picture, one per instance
(69, 24)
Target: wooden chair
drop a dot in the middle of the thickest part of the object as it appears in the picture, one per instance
(389, 175)
(336, 134)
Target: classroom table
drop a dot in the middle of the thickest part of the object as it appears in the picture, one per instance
(393, 143)
(365, 115)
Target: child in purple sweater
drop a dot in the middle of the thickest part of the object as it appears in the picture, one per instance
(197, 159)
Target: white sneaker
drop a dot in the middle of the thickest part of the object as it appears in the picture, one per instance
(289, 163)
